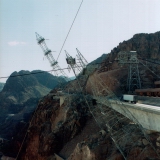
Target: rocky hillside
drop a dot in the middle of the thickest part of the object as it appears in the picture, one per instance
(63, 127)
(99, 60)
(146, 45)
(18, 89)
(18, 100)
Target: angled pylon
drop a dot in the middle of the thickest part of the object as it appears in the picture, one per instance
(81, 60)
(48, 53)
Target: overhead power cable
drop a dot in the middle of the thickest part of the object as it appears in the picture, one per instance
(39, 72)
(26, 74)
(154, 62)
(70, 29)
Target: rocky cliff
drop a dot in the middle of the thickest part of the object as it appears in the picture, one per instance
(62, 126)
(146, 45)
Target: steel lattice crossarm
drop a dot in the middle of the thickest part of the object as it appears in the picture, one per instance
(81, 60)
(48, 53)
(127, 57)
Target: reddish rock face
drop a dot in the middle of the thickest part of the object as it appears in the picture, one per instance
(69, 131)
(53, 126)
(146, 45)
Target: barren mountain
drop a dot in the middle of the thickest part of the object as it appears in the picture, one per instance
(18, 100)
(63, 126)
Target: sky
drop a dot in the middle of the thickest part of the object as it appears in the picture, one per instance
(99, 27)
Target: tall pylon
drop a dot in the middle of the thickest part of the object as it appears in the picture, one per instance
(48, 53)
(133, 79)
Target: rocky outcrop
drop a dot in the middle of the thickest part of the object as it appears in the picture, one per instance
(146, 45)
(54, 125)
(69, 131)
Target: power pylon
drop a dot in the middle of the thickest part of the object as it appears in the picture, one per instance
(48, 53)
(130, 58)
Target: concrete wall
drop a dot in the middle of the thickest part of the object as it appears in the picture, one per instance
(149, 118)
(147, 115)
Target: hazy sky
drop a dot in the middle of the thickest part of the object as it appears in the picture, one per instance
(100, 26)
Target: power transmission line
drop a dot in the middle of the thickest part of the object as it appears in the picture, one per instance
(41, 72)
(70, 29)
(31, 73)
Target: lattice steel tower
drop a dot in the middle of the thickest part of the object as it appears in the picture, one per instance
(130, 58)
(48, 53)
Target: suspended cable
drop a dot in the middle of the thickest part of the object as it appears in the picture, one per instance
(31, 73)
(39, 72)
(149, 61)
(70, 29)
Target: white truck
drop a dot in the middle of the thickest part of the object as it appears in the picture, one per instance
(129, 98)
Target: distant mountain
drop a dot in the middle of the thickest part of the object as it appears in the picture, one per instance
(20, 95)
(48, 80)
(24, 85)
(1, 85)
